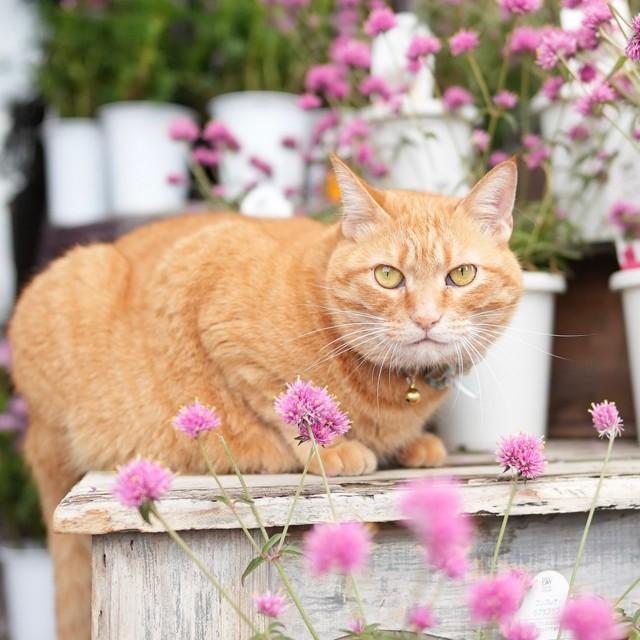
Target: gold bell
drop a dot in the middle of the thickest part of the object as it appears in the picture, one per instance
(412, 396)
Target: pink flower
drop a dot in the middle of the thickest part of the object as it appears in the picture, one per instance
(217, 134)
(480, 140)
(141, 481)
(357, 626)
(495, 599)
(537, 152)
(626, 217)
(531, 141)
(270, 604)
(421, 618)
(261, 165)
(591, 618)
(356, 129)
(455, 97)
(522, 454)
(352, 53)
(520, 7)
(309, 101)
(184, 129)
(505, 99)
(524, 40)
(554, 44)
(497, 157)
(422, 46)
(375, 86)
(343, 547)
(433, 510)
(205, 156)
(379, 21)
(328, 79)
(606, 419)
(602, 94)
(632, 48)
(587, 38)
(463, 41)
(378, 169)
(289, 142)
(520, 631)
(551, 87)
(311, 409)
(579, 133)
(325, 123)
(636, 133)
(177, 179)
(587, 72)
(194, 419)
(596, 13)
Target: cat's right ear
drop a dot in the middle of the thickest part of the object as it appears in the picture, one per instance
(360, 210)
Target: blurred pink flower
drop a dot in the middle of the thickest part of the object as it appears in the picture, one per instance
(463, 41)
(596, 13)
(205, 156)
(420, 47)
(602, 94)
(524, 40)
(309, 101)
(15, 416)
(632, 48)
(374, 86)
(218, 135)
(480, 140)
(184, 129)
(270, 604)
(141, 481)
(587, 72)
(261, 165)
(522, 454)
(343, 547)
(579, 133)
(421, 618)
(325, 123)
(378, 169)
(355, 129)
(535, 158)
(380, 21)
(351, 52)
(328, 79)
(519, 7)
(495, 599)
(455, 97)
(606, 419)
(289, 142)
(357, 626)
(520, 631)
(551, 87)
(177, 179)
(531, 140)
(497, 157)
(505, 99)
(555, 44)
(591, 618)
(195, 418)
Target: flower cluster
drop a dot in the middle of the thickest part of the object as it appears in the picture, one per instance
(522, 454)
(606, 419)
(196, 418)
(496, 599)
(141, 481)
(343, 547)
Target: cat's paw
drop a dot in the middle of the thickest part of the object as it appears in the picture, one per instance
(425, 451)
(347, 458)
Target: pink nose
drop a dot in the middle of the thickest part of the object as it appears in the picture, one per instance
(427, 320)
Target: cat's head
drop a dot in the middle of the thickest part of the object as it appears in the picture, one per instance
(420, 280)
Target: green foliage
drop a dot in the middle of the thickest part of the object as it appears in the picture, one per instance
(275, 631)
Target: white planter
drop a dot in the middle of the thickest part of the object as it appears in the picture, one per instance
(628, 253)
(260, 120)
(512, 382)
(628, 283)
(425, 152)
(75, 171)
(141, 156)
(28, 587)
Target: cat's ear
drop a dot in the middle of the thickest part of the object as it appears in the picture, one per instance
(492, 198)
(360, 211)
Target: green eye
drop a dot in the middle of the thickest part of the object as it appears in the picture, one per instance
(388, 277)
(463, 275)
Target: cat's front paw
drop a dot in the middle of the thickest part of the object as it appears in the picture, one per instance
(347, 458)
(425, 451)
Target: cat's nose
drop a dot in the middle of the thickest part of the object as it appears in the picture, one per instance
(427, 320)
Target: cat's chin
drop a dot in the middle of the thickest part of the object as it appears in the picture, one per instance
(417, 357)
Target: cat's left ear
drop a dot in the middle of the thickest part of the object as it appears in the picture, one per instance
(492, 198)
(360, 210)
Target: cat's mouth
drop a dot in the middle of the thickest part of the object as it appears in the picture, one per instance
(427, 340)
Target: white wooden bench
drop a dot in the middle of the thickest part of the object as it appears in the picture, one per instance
(145, 588)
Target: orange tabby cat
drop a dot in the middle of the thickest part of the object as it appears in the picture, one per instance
(113, 338)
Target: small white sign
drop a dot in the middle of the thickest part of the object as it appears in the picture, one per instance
(543, 603)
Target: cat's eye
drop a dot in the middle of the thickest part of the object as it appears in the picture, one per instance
(463, 275)
(388, 277)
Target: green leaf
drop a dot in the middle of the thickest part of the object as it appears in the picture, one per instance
(145, 511)
(290, 550)
(222, 499)
(251, 567)
(269, 544)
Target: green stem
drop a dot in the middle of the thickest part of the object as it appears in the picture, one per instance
(477, 73)
(221, 590)
(295, 500)
(323, 473)
(358, 597)
(634, 584)
(503, 526)
(204, 185)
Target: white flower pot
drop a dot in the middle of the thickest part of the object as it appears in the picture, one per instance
(628, 283)
(28, 587)
(75, 171)
(425, 152)
(141, 156)
(628, 253)
(512, 382)
(260, 120)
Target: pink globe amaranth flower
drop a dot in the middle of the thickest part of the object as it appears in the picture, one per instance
(355, 129)
(205, 156)
(596, 13)
(463, 41)
(378, 169)
(636, 133)
(270, 604)
(590, 617)
(343, 547)
(346, 21)
(325, 123)
(480, 140)
(497, 157)
(177, 179)
(606, 419)
(311, 409)
(357, 626)
(261, 165)
(624, 215)
(495, 599)
(351, 52)
(184, 129)
(524, 40)
(218, 135)
(195, 418)
(309, 101)
(523, 576)
(602, 94)
(520, 631)
(579, 133)
(554, 44)
(519, 7)
(365, 154)
(141, 481)
(379, 21)
(505, 99)
(289, 142)
(421, 46)
(432, 509)
(531, 140)
(455, 97)
(537, 152)
(632, 48)
(375, 86)
(551, 87)
(522, 454)
(328, 79)
(421, 618)
(587, 72)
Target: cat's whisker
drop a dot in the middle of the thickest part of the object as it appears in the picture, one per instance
(333, 326)
(361, 341)
(531, 331)
(493, 335)
(355, 333)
